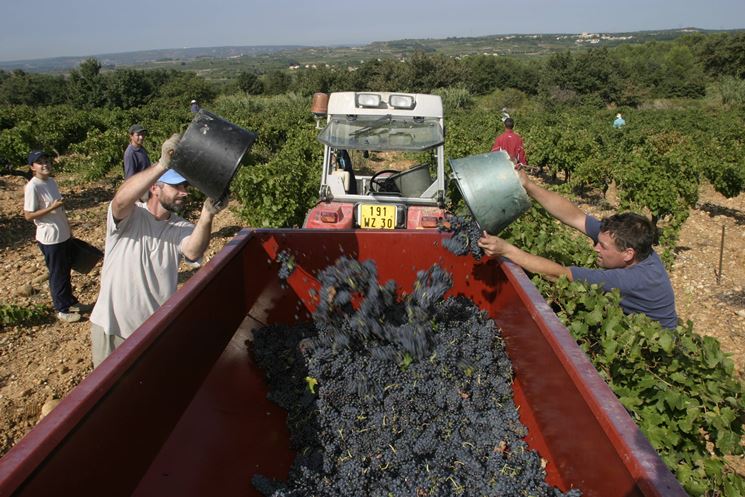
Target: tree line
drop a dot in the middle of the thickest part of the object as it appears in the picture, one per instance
(88, 87)
(625, 75)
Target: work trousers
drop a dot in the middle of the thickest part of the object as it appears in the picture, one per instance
(58, 258)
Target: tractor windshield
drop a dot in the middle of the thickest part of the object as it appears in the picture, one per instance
(382, 133)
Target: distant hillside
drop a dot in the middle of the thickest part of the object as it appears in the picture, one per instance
(205, 60)
(61, 64)
(531, 44)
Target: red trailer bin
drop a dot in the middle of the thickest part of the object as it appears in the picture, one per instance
(180, 408)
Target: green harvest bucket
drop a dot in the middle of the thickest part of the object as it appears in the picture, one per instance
(491, 188)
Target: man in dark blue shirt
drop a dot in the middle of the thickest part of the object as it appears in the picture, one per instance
(135, 157)
(623, 243)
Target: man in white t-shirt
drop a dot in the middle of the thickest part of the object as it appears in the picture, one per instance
(42, 204)
(144, 242)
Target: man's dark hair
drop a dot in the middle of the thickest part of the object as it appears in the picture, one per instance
(509, 123)
(631, 230)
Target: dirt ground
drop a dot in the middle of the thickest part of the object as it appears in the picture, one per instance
(42, 363)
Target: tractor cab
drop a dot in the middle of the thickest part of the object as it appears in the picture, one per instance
(383, 161)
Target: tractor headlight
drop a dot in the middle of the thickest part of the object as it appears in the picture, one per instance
(368, 100)
(402, 101)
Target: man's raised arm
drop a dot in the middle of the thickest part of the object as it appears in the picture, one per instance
(198, 241)
(556, 205)
(137, 185)
(494, 246)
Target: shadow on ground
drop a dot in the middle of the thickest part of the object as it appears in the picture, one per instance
(733, 298)
(717, 210)
(88, 198)
(596, 199)
(227, 231)
(15, 230)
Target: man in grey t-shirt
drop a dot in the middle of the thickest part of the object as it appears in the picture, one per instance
(623, 243)
(144, 242)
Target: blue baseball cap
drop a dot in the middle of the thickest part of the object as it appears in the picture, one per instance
(35, 155)
(171, 177)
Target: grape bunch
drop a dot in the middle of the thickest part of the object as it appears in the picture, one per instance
(286, 264)
(356, 311)
(396, 396)
(466, 234)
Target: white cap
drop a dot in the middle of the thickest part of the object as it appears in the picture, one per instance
(618, 115)
(194, 101)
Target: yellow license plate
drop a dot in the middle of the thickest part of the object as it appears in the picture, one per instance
(377, 216)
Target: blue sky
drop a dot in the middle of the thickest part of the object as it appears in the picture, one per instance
(31, 29)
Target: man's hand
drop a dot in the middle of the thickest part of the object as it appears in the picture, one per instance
(213, 207)
(524, 180)
(167, 150)
(493, 245)
(57, 203)
(197, 243)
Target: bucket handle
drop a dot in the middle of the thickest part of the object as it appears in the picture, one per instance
(219, 202)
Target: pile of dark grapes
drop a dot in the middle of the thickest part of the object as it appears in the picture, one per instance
(466, 234)
(392, 396)
(379, 324)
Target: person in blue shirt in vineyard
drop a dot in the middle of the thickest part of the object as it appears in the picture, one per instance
(623, 243)
(135, 156)
(619, 122)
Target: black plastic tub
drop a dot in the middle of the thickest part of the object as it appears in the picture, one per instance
(210, 152)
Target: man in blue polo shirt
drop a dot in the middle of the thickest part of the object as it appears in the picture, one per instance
(135, 157)
(623, 243)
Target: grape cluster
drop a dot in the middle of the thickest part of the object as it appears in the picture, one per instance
(391, 396)
(356, 312)
(466, 234)
(287, 264)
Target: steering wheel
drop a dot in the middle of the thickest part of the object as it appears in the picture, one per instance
(378, 184)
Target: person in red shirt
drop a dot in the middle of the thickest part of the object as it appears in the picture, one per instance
(510, 142)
